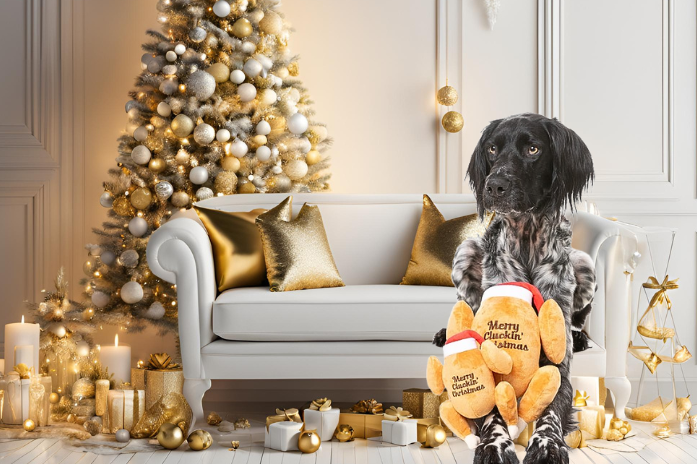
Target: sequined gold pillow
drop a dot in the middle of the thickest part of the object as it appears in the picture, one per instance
(435, 245)
(297, 251)
(237, 250)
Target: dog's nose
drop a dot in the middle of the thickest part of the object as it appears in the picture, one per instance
(497, 186)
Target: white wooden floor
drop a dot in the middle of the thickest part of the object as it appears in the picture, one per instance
(680, 449)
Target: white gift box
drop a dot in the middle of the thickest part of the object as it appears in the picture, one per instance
(399, 432)
(283, 436)
(324, 422)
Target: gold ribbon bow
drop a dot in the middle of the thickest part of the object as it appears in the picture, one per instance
(396, 414)
(367, 407)
(283, 415)
(662, 288)
(23, 371)
(160, 361)
(321, 404)
(580, 398)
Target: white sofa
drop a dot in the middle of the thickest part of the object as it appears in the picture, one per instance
(251, 333)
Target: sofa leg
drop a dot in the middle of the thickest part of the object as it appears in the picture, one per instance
(194, 389)
(621, 389)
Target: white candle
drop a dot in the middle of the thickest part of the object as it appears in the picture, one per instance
(24, 354)
(118, 360)
(21, 334)
(2, 366)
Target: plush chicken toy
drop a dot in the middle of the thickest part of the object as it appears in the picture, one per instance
(477, 373)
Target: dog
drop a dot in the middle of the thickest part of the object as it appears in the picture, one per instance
(528, 169)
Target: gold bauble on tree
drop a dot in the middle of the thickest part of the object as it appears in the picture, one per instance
(122, 206)
(54, 398)
(157, 165)
(141, 198)
(170, 436)
(219, 71)
(278, 125)
(246, 187)
(225, 182)
(200, 440)
(309, 441)
(453, 121)
(242, 28)
(182, 125)
(230, 164)
(313, 157)
(447, 96)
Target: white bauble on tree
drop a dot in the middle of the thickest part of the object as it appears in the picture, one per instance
(180, 199)
(238, 148)
(170, 70)
(163, 109)
(141, 154)
(248, 47)
(265, 61)
(163, 190)
(252, 67)
(304, 145)
(155, 311)
(296, 169)
(155, 64)
(106, 200)
(221, 8)
(138, 226)
(179, 49)
(271, 23)
(82, 350)
(201, 84)
(204, 193)
(108, 257)
(223, 135)
(169, 86)
(263, 153)
(297, 124)
(247, 92)
(131, 292)
(140, 134)
(198, 175)
(171, 56)
(219, 71)
(267, 97)
(204, 134)
(58, 330)
(237, 76)
(263, 128)
(197, 34)
(182, 125)
(100, 299)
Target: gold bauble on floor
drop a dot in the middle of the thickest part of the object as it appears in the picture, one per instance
(200, 440)
(430, 436)
(29, 425)
(170, 436)
(309, 441)
(447, 96)
(453, 121)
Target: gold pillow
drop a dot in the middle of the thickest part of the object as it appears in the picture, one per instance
(237, 248)
(435, 245)
(296, 251)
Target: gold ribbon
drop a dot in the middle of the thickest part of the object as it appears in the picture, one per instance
(159, 361)
(662, 288)
(321, 404)
(23, 371)
(283, 415)
(396, 414)
(580, 398)
(370, 406)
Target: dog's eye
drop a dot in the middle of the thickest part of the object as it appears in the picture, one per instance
(492, 149)
(533, 150)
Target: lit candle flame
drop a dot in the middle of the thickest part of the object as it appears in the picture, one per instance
(116, 340)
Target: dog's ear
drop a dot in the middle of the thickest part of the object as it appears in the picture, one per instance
(572, 164)
(478, 168)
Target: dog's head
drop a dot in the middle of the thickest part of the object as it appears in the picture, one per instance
(529, 163)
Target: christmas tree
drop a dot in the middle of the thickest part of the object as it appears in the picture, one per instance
(217, 110)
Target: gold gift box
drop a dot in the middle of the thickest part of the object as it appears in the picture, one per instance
(591, 419)
(364, 425)
(422, 403)
(138, 378)
(160, 382)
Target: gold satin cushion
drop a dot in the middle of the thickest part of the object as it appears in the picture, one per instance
(297, 251)
(435, 245)
(237, 249)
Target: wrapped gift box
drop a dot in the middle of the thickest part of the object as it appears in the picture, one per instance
(325, 422)
(160, 382)
(591, 419)
(283, 436)
(138, 378)
(399, 432)
(124, 409)
(594, 386)
(422, 403)
(364, 425)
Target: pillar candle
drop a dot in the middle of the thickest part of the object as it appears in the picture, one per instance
(24, 354)
(20, 334)
(2, 366)
(118, 359)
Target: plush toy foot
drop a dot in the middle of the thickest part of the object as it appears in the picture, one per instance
(495, 446)
(454, 421)
(515, 430)
(544, 449)
(472, 441)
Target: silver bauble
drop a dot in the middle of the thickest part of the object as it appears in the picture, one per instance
(201, 84)
(180, 199)
(155, 65)
(297, 124)
(108, 257)
(171, 56)
(170, 69)
(155, 311)
(123, 435)
(221, 8)
(140, 134)
(163, 190)
(138, 226)
(179, 49)
(247, 92)
(204, 193)
(169, 86)
(198, 175)
(248, 47)
(106, 200)
(223, 135)
(163, 109)
(237, 76)
(100, 299)
(204, 134)
(263, 128)
(141, 154)
(252, 67)
(197, 34)
(131, 293)
(263, 153)
(129, 258)
(130, 104)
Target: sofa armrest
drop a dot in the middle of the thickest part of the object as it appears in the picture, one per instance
(180, 252)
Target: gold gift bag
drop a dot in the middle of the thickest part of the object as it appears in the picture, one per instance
(422, 403)
(160, 382)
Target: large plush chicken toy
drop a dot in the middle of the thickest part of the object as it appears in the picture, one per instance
(492, 359)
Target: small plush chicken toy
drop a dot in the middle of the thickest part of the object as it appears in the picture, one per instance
(502, 364)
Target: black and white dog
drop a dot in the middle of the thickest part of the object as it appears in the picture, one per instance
(528, 169)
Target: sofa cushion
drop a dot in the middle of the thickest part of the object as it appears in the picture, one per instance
(352, 313)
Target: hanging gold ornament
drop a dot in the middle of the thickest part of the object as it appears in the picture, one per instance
(170, 436)
(29, 425)
(452, 121)
(344, 433)
(447, 96)
(157, 165)
(122, 206)
(430, 436)
(309, 441)
(141, 198)
(652, 362)
(313, 157)
(242, 28)
(682, 355)
(200, 440)
(293, 68)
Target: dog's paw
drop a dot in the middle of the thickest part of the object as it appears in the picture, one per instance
(546, 450)
(500, 451)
